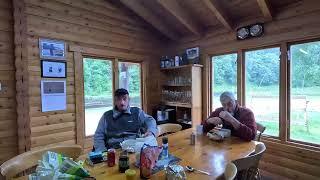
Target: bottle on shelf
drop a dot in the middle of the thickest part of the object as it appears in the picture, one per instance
(185, 116)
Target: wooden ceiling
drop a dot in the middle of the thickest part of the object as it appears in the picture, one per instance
(176, 19)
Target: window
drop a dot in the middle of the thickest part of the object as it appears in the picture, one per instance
(262, 71)
(98, 87)
(130, 79)
(224, 76)
(305, 92)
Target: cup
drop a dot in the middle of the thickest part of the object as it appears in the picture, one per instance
(199, 129)
(130, 174)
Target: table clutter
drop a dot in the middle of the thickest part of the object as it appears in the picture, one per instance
(55, 166)
(219, 134)
(176, 160)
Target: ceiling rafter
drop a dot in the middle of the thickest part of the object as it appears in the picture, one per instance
(150, 17)
(174, 8)
(266, 9)
(221, 15)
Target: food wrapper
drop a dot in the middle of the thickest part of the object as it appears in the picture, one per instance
(219, 134)
(175, 172)
(55, 166)
(148, 159)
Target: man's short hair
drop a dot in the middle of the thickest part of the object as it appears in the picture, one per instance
(120, 92)
(227, 95)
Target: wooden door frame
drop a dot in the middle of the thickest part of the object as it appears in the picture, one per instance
(141, 78)
(79, 53)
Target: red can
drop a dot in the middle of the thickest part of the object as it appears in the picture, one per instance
(111, 157)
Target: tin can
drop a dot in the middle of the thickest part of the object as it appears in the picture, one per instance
(192, 139)
(111, 157)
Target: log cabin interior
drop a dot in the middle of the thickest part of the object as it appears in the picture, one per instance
(177, 55)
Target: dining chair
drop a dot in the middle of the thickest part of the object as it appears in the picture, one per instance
(248, 166)
(168, 128)
(24, 162)
(230, 171)
(260, 130)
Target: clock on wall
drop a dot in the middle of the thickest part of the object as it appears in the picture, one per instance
(254, 30)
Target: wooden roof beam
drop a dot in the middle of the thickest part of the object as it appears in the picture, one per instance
(150, 17)
(173, 7)
(266, 9)
(221, 15)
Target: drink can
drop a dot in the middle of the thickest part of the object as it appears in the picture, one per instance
(111, 157)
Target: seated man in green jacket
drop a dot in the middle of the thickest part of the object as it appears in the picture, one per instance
(121, 123)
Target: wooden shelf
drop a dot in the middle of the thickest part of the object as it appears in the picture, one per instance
(187, 105)
(182, 67)
(177, 85)
(181, 121)
(190, 73)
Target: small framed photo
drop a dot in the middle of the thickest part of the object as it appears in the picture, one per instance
(52, 49)
(53, 69)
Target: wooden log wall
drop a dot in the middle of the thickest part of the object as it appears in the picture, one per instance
(8, 116)
(97, 26)
(295, 23)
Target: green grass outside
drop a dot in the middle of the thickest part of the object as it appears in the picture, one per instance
(297, 130)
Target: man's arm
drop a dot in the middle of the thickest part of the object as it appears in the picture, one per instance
(99, 135)
(149, 123)
(246, 129)
(208, 124)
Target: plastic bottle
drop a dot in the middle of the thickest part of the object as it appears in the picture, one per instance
(165, 150)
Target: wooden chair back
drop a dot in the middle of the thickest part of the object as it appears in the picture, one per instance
(260, 130)
(27, 160)
(168, 128)
(231, 171)
(249, 164)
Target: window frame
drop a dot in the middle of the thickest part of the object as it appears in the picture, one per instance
(284, 102)
(211, 74)
(289, 44)
(115, 81)
(245, 84)
(113, 61)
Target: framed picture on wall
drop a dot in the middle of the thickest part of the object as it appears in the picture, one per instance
(53, 95)
(53, 69)
(52, 49)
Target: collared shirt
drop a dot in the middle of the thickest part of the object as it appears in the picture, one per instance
(117, 113)
(100, 136)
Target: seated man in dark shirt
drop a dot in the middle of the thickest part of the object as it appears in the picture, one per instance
(239, 120)
(121, 123)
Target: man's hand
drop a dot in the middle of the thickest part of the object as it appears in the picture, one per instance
(230, 119)
(214, 120)
(226, 116)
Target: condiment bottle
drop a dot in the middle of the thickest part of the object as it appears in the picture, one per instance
(165, 148)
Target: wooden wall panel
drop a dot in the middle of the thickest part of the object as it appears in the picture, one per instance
(94, 28)
(8, 121)
(296, 23)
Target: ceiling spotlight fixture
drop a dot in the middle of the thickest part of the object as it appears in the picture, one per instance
(254, 30)
(242, 33)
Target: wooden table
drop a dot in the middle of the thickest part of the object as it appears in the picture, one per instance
(206, 155)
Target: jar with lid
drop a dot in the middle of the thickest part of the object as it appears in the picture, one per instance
(123, 162)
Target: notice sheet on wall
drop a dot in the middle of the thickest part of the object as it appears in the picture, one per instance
(53, 95)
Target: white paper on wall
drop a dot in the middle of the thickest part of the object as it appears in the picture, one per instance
(53, 95)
